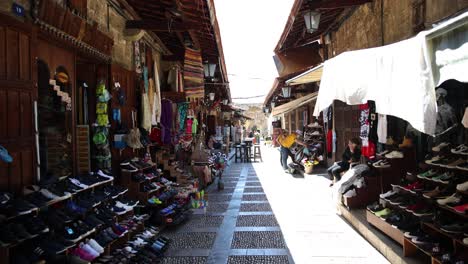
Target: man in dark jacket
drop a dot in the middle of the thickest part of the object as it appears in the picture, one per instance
(351, 154)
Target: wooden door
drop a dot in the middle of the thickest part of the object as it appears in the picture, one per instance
(346, 126)
(16, 103)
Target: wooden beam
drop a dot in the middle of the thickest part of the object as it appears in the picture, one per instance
(172, 58)
(336, 4)
(161, 26)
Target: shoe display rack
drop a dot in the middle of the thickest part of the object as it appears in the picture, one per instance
(58, 224)
(135, 184)
(442, 229)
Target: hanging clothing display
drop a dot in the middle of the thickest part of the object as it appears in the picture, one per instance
(172, 78)
(157, 95)
(146, 112)
(182, 109)
(193, 74)
(194, 126)
(138, 67)
(166, 120)
(368, 147)
(189, 126)
(382, 129)
(145, 78)
(151, 98)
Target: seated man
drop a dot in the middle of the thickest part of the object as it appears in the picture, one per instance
(351, 154)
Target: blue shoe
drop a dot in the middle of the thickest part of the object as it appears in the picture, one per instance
(4, 155)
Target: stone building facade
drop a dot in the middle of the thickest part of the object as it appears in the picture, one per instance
(383, 22)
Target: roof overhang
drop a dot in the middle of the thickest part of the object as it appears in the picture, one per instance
(288, 107)
(312, 75)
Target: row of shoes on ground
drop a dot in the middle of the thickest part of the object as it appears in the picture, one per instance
(448, 161)
(145, 247)
(445, 147)
(409, 223)
(422, 210)
(62, 221)
(446, 197)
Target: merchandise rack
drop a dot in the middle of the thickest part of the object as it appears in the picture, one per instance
(5, 251)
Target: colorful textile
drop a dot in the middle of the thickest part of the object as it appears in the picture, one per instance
(166, 121)
(182, 109)
(193, 74)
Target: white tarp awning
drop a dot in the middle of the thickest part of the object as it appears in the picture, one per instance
(398, 77)
(312, 75)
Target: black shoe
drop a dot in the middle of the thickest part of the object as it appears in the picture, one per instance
(35, 226)
(456, 228)
(128, 168)
(22, 207)
(20, 232)
(7, 237)
(37, 199)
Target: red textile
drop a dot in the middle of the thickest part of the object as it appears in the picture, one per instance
(329, 141)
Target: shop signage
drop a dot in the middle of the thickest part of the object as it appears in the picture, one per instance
(18, 9)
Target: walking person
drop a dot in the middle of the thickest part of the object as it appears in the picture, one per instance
(351, 154)
(286, 141)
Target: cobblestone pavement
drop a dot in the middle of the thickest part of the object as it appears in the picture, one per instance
(264, 216)
(238, 226)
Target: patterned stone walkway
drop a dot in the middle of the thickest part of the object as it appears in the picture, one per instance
(238, 227)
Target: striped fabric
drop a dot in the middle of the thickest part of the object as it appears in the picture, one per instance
(193, 74)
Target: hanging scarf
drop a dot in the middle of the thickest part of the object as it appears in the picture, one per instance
(182, 108)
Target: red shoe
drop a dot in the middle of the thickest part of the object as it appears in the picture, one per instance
(415, 207)
(462, 209)
(414, 187)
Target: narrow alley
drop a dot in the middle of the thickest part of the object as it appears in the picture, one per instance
(267, 216)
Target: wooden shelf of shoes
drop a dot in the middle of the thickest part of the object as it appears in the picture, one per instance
(5, 252)
(167, 163)
(135, 187)
(453, 242)
(364, 195)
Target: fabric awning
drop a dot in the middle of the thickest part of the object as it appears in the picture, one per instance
(398, 77)
(312, 75)
(288, 107)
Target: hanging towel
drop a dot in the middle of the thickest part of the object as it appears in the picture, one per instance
(146, 113)
(157, 95)
(382, 129)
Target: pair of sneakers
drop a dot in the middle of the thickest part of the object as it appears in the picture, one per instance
(88, 251)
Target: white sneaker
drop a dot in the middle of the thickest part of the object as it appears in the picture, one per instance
(78, 183)
(313, 125)
(130, 250)
(90, 250)
(394, 155)
(92, 243)
(463, 186)
(316, 133)
(102, 174)
(465, 241)
(387, 194)
(350, 193)
(459, 149)
(48, 194)
(383, 153)
(440, 146)
(124, 206)
(454, 198)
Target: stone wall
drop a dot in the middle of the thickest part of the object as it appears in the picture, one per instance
(360, 30)
(363, 29)
(122, 50)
